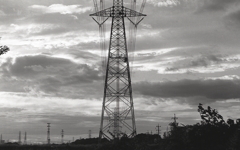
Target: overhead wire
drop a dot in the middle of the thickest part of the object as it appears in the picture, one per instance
(131, 43)
(102, 7)
(134, 34)
(102, 41)
(129, 35)
(142, 8)
(101, 25)
(136, 21)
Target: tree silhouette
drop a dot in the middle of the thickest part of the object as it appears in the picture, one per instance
(230, 122)
(4, 49)
(210, 116)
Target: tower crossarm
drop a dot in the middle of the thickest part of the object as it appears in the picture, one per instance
(118, 12)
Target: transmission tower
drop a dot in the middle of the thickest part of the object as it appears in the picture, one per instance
(158, 129)
(62, 135)
(174, 124)
(48, 134)
(90, 134)
(117, 118)
(25, 138)
(19, 138)
(175, 119)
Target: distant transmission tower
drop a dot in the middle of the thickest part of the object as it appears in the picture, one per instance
(117, 110)
(89, 134)
(48, 134)
(174, 124)
(19, 138)
(25, 138)
(158, 129)
(175, 119)
(62, 135)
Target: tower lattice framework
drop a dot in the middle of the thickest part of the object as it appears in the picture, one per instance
(117, 117)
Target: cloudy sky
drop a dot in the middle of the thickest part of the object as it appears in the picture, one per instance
(187, 52)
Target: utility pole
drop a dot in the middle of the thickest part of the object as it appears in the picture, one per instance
(19, 138)
(1, 140)
(158, 129)
(117, 108)
(62, 135)
(48, 134)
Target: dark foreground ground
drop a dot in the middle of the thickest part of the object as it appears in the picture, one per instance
(79, 147)
(48, 147)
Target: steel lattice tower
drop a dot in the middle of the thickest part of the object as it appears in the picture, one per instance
(62, 135)
(25, 138)
(48, 134)
(19, 138)
(117, 117)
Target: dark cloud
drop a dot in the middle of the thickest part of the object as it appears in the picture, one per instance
(197, 61)
(11, 110)
(171, 69)
(233, 20)
(216, 5)
(94, 45)
(33, 66)
(51, 75)
(211, 89)
(9, 84)
(81, 52)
